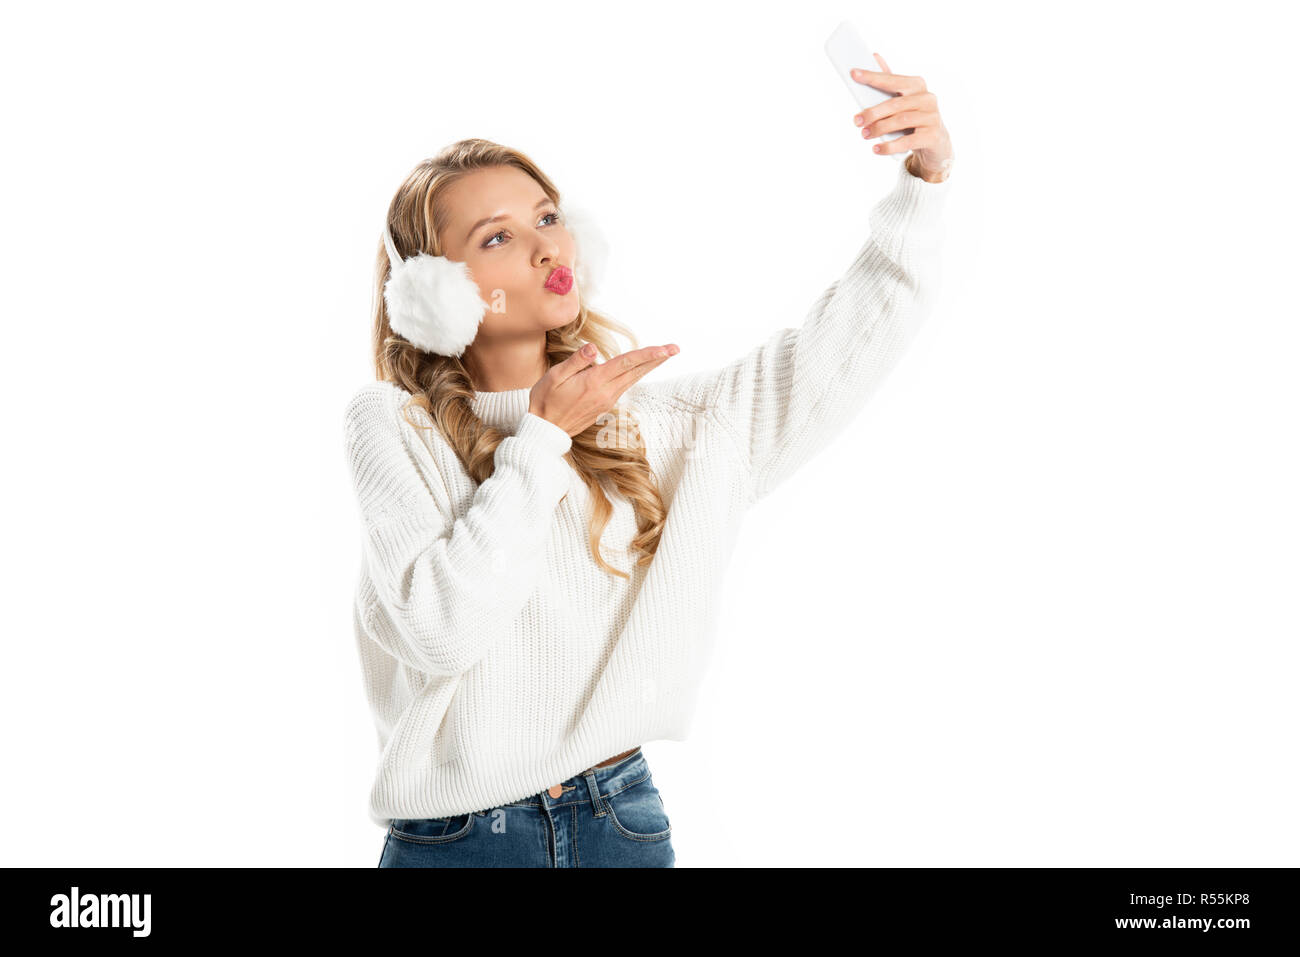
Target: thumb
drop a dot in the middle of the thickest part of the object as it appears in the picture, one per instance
(574, 364)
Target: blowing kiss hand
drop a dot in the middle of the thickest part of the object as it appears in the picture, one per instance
(576, 392)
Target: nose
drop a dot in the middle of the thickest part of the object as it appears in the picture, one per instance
(546, 253)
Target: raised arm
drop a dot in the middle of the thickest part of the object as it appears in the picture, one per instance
(451, 587)
(789, 397)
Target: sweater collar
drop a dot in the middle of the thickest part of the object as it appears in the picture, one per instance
(502, 410)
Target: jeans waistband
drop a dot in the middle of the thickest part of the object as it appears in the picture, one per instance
(593, 783)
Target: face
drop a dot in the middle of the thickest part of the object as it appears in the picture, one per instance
(511, 256)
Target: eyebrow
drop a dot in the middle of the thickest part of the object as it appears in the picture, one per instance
(545, 200)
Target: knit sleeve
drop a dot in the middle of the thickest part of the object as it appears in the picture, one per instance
(790, 396)
(451, 587)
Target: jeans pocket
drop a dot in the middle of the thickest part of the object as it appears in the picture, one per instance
(432, 830)
(637, 812)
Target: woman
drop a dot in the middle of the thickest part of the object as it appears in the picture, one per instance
(543, 532)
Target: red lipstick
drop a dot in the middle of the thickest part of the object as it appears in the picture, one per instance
(560, 280)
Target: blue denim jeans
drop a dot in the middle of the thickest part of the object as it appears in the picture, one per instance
(604, 817)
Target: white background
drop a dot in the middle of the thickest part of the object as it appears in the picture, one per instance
(1037, 606)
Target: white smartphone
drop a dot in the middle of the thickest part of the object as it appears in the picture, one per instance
(847, 53)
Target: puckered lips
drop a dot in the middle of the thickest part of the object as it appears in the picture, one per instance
(560, 280)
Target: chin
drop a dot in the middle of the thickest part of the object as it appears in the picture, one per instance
(564, 314)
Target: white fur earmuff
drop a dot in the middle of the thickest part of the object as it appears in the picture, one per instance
(592, 251)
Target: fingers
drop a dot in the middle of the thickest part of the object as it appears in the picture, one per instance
(620, 384)
(894, 83)
(907, 120)
(628, 362)
(621, 371)
(883, 65)
(919, 105)
(614, 376)
(914, 141)
(574, 364)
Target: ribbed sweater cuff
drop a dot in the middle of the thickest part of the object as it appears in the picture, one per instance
(536, 450)
(543, 434)
(913, 201)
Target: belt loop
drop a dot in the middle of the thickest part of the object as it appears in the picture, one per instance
(597, 802)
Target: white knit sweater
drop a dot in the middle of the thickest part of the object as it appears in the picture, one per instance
(499, 659)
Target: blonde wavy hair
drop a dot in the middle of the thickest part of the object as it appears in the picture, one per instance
(441, 385)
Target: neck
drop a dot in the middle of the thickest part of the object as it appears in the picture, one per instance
(506, 366)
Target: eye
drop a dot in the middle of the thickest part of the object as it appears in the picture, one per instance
(501, 232)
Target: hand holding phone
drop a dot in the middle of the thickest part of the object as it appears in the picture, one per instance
(847, 52)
